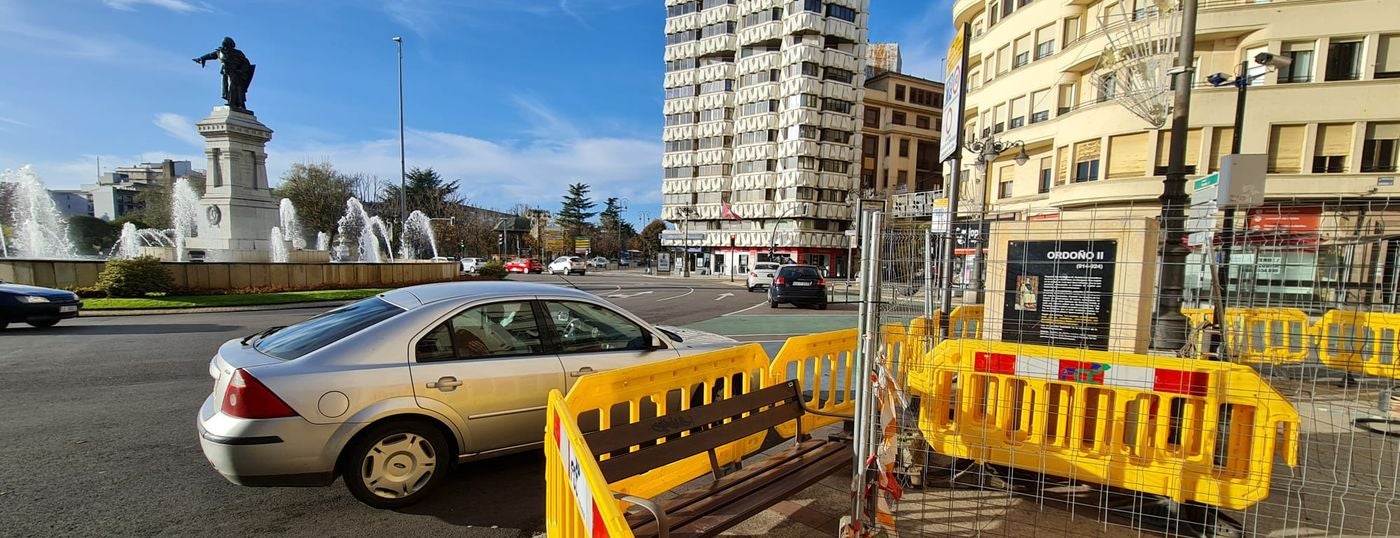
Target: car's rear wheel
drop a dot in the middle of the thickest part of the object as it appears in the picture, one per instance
(821, 306)
(396, 464)
(43, 324)
(772, 303)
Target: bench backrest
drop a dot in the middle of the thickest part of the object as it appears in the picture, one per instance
(633, 449)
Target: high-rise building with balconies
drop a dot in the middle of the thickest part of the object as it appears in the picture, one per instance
(762, 106)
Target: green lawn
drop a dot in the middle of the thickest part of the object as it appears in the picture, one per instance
(194, 301)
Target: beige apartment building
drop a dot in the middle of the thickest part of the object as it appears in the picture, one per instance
(899, 135)
(1329, 122)
(761, 128)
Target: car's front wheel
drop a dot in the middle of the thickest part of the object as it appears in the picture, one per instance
(395, 464)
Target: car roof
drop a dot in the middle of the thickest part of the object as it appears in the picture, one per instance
(415, 296)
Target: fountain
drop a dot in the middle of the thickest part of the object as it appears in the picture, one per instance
(39, 229)
(184, 215)
(357, 226)
(323, 241)
(382, 233)
(291, 225)
(279, 245)
(128, 243)
(417, 237)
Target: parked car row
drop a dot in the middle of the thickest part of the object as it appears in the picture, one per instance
(575, 265)
(791, 283)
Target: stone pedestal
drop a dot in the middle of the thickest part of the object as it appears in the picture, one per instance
(237, 209)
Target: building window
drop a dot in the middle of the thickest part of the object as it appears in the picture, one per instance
(713, 86)
(1333, 146)
(836, 105)
(1388, 57)
(887, 146)
(835, 135)
(924, 97)
(1040, 116)
(921, 121)
(869, 146)
(1085, 171)
(1022, 58)
(1044, 49)
(1285, 149)
(834, 165)
(1071, 30)
(1108, 88)
(1343, 60)
(897, 117)
(1003, 189)
(1045, 176)
(1378, 151)
(680, 9)
(1007, 7)
(841, 12)
(902, 177)
(839, 75)
(898, 92)
(814, 6)
(872, 117)
(1018, 121)
(904, 147)
(1301, 69)
(999, 127)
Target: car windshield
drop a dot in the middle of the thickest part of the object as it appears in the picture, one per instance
(318, 332)
(766, 265)
(800, 272)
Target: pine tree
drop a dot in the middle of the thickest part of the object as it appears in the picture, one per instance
(576, 209)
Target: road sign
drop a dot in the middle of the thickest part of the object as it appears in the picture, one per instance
(952, 99)
(1204, 182)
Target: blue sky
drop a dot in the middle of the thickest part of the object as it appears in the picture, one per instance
(515, 98)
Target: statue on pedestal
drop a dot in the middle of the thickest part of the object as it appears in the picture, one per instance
(237, 72)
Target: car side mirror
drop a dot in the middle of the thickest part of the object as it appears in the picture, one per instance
(657, 342)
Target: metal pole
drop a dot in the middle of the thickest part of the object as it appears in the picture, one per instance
(403, 170)
(865, 358)
(1227, 232)
(928, 272)
(1169, 332)
(945, 304)
(685, 243)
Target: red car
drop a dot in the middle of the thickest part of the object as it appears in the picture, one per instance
(523, 265)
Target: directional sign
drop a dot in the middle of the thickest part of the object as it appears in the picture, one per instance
(1204, 182)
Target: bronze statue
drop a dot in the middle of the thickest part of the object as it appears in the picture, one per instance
(237, 71)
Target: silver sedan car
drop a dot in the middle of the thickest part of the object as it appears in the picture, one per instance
(391, 391)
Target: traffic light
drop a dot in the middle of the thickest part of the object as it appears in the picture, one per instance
(501, 239)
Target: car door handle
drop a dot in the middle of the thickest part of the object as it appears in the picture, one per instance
(445, 384)
(581, 372)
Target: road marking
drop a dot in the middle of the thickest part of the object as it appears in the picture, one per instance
(692, 290)
(629, 295)
(746, 309)
(723, 295)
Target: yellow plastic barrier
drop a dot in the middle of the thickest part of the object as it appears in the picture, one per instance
(627, 395)
(902, 346)
(1272, 336)
(577, 500)
(1361, 342)
(965, 322)
(824, 362)
(1150, 424)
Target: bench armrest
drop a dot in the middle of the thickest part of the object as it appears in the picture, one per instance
(662, 526)
(809, 410)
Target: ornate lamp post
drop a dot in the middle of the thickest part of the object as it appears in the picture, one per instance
(987, 149)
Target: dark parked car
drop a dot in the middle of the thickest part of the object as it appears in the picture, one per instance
(798, 285)
(40, 307)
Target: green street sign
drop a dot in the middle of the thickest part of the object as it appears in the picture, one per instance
(1206, 182)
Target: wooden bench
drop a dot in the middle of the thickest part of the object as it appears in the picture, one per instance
(734, 497)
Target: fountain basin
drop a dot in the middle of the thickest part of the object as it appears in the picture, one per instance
(222, 276)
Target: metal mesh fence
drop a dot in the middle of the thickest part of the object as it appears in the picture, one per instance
(1038, 405)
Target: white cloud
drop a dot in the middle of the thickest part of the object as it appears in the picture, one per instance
(180, 6)
(502, 173)
(11, 121)
(179, 127)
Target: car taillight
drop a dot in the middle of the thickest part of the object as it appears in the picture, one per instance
(246, 397)
(821, 282)
(751, 273)
(779, 281)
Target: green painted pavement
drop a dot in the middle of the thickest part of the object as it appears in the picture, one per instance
(775, 324)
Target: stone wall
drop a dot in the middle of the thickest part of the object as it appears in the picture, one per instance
(221, 276)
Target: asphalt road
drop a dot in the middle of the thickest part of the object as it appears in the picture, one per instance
(98, 419)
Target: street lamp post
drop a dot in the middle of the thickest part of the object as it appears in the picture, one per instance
(987, 149)
(403, 169)
(686, 213)
(1169, 331)
(773, 239)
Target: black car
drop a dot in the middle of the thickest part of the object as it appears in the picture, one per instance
(40, 307)
(798, 285)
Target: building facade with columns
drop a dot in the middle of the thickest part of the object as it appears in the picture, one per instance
(900, 127)
(1328, 123)
(762, 125)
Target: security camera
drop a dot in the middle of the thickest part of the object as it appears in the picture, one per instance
(1218, 79)
(1270, 60)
